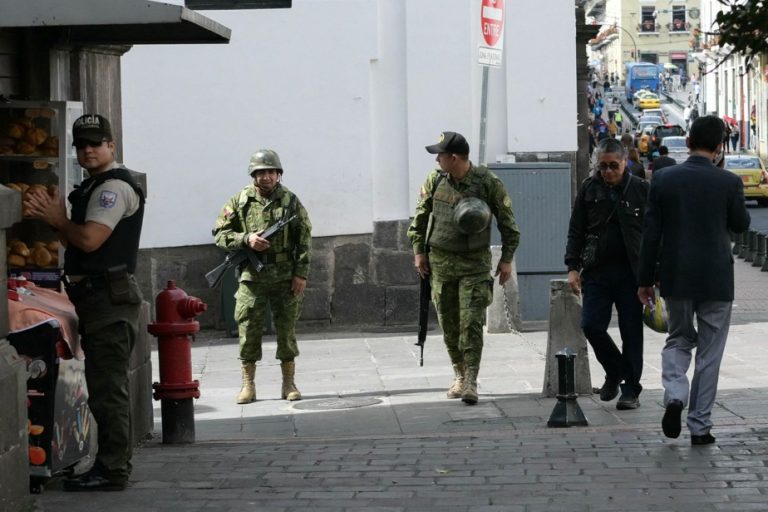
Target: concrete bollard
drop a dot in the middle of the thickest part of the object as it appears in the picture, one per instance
(565, 332)
(567, 412)
(760, 253)
(503, 314)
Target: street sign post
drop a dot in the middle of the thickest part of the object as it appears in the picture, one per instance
(492, 28)
(489, 55)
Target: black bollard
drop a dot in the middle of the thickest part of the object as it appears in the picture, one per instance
(744, 247)
(567, 412)
(751, 246)
(737, 238)
(760, 253)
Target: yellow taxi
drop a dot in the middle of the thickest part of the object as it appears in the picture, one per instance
(649, 100)
(753, 174)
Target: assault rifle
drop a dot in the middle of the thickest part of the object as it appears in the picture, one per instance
(425, 290)
(234, 259)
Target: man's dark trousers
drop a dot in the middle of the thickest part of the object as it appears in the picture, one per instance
(603, 287)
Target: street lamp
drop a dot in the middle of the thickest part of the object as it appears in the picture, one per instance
(631, 39)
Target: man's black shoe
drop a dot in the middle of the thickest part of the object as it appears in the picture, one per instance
(93, 482)
(670, 424)
(702, 439)
(610, 390)
(627, 401)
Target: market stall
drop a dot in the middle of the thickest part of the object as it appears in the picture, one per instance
(43, 330)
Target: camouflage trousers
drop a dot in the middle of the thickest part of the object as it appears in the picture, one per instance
(461, 305)
(252, 299)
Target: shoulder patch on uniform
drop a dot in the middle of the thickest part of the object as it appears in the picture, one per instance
(107, 199)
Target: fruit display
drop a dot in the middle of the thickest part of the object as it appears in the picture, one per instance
(27, 136)
(39, 255)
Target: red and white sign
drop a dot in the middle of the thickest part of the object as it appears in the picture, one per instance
(492, 28)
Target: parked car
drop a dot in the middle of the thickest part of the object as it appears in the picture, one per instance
(664, 130)
(677, 148)
(654, 112)
(753, 175)
(649, 100)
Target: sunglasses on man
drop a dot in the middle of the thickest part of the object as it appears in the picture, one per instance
(82, 144)
(614, 166)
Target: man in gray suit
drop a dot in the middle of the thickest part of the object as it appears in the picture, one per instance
(691, 208)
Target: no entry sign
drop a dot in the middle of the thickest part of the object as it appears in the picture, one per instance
(492, 21)
(492, 28)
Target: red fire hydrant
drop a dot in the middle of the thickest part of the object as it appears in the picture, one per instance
(174, 328)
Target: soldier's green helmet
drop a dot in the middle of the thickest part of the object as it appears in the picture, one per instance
(472, 215)
(264, 159)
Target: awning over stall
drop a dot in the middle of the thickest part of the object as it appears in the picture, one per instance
(114, 21)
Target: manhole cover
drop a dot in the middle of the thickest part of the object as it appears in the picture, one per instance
(336, 403)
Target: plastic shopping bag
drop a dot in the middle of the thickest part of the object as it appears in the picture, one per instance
(655, 315)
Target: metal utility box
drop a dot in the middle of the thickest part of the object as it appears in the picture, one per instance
(541, 200)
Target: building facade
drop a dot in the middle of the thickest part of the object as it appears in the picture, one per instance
(656, 31)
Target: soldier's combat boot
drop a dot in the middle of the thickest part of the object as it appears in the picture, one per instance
(248, 391)
(290, 392)
(458, 381)
(469, 393)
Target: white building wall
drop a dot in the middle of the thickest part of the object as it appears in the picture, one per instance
(348, 92)
(541, 76)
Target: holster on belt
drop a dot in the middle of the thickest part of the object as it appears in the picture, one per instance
(116, 281)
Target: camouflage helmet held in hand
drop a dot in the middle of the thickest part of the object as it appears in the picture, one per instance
(264, 159)
(472, 215)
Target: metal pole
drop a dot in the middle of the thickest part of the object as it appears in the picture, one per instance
(483, 116)
(633, 41)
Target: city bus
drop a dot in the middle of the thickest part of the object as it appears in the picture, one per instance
(640, 75)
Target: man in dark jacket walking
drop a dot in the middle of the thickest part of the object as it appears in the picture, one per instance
(602, 255)
(663, 160)
(691, 209)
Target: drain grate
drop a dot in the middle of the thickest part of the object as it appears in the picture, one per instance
(336, 403)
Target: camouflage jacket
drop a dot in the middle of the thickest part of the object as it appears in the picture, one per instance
(450, 264)
(247, 212)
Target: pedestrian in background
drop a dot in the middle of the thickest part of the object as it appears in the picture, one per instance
(663, 160)
(619, 120)
(735, 136)
(102, 245)
(635, 164)
(280, 285)
(601, 255)
(452, 218)
(692, 208)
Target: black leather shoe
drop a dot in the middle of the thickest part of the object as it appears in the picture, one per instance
(610, 390)
(93, 482)
(702, 439)
(627, 401)
(670, 424)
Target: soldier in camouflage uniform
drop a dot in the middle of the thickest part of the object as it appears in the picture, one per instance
(281, 283)
(453, 220)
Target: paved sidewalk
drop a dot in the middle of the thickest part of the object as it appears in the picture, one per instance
(375, 432)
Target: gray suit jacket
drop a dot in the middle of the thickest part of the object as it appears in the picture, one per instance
(691, 208)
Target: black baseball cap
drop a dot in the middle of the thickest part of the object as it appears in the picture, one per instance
(91, 128)
(450, 142)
